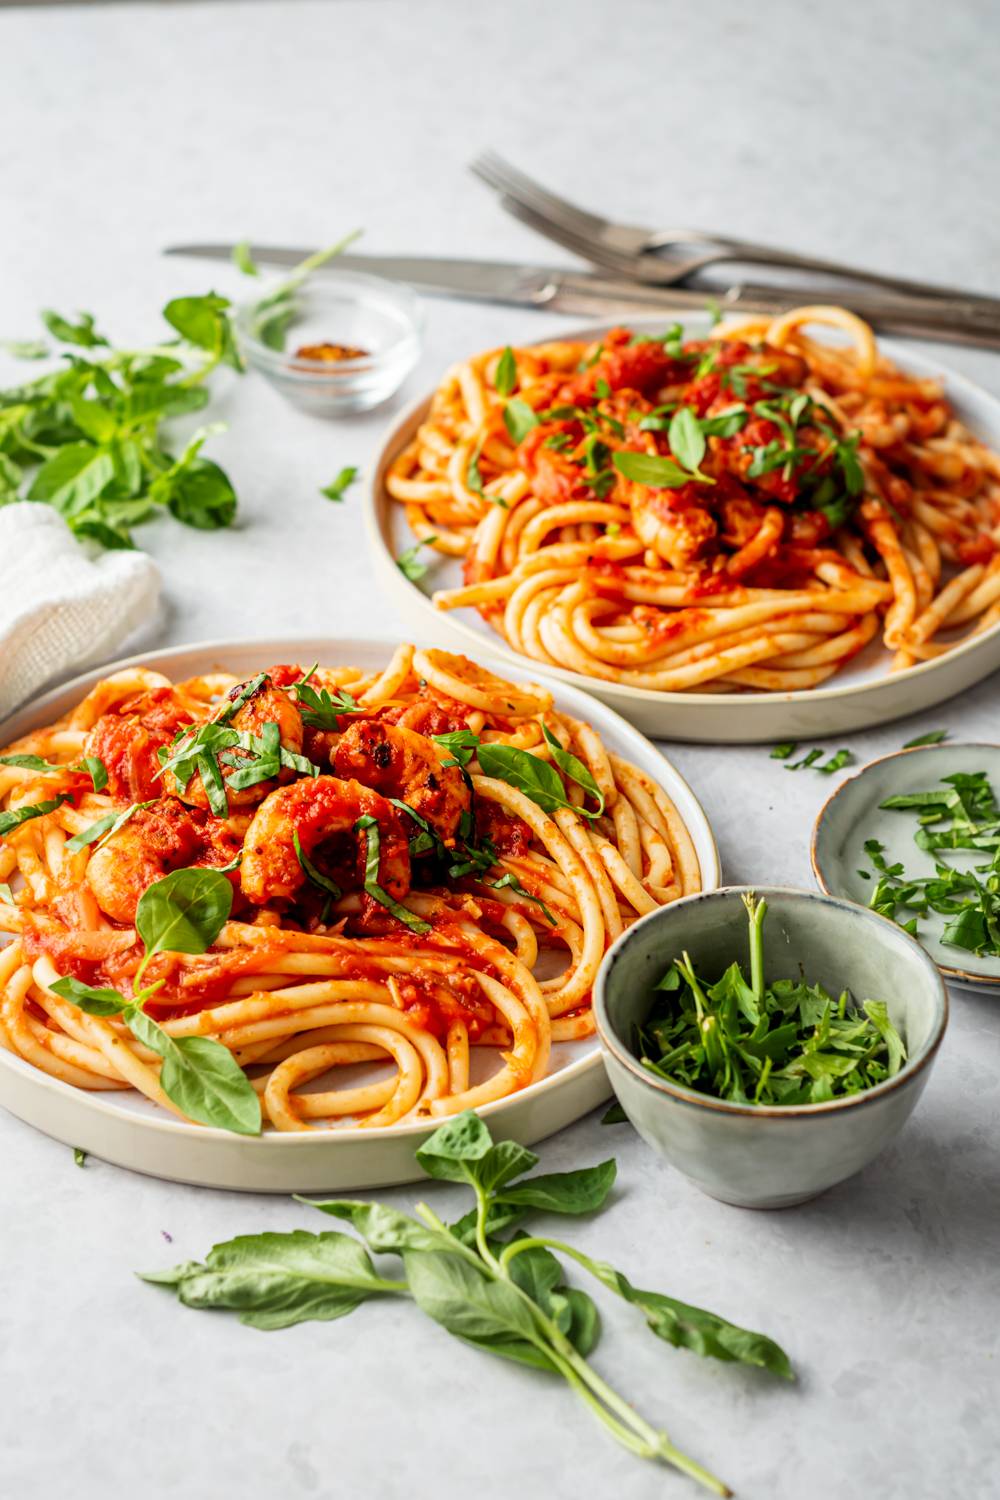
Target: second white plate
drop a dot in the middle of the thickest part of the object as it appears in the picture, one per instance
(131, 1132)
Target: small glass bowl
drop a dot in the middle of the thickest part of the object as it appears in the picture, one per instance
(344, 308)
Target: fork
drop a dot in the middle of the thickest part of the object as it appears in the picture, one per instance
(657, 257)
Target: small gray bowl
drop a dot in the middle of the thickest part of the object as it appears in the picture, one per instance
(757, 1156)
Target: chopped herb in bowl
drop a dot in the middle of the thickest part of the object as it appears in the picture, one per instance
(959, 817)
(784, 1043)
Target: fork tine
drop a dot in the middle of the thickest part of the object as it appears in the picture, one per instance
(498, 174)
(622, 265)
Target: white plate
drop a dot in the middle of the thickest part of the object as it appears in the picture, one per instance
(129, 1131)
(863, 694)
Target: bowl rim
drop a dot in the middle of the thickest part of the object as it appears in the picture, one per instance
(612, 1043)
(958, 976)
(399, 293)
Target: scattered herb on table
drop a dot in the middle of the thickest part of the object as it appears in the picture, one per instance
(933, 737)
(79, 1156)
(837, 761)
(338, 487)
(788, 1042)
(182, 913)
(959, 815)
(243, 260)
(503, 1292)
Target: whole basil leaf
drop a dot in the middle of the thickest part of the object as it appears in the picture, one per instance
(82, 333)
(686, 439)
(386, 1230)
(199, 493)
(96, 1002)
(200, 1075)
(184, 912)
(574, 768)
(277, 1280)
(94, 419)
(464, 1139)
(505, 378)
(695, 1328)
(449, 1289)
(580, 1192)
(519, 419)
(157, 399)
(652, 470)
(575, 1313)
(535, 778)
(74, 476)
(204, 322)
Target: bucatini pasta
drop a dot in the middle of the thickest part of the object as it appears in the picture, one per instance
(425, 862)
(745, 511)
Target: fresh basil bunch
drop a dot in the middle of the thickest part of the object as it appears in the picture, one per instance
(182, 913)
(482, 1278)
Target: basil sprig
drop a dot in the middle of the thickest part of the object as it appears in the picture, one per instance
(481, 1278)
(322, 710)
(182, 913)
(369, 827)
(462, 743)
(262, 759)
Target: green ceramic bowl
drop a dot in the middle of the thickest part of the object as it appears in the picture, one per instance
(765, 1156)
(853, 815)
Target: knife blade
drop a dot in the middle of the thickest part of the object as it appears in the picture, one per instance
(586, 293)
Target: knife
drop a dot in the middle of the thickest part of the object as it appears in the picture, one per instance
(586, 293)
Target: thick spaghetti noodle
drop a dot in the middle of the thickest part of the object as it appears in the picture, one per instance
(746, 511)
(425, 862)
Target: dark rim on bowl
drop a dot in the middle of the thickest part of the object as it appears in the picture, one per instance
(959, 976)
(610, 1039)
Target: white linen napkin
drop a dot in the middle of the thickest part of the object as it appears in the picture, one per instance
(64, 604)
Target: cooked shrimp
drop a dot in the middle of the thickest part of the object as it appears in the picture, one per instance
(267, 704)
(322, 813)
(155, 840)
(128, 737)
(676, 532)
(401, 763)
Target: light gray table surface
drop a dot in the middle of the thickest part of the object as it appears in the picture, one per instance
(867, 131)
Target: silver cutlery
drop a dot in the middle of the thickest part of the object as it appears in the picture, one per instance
(665, 257)
(595, 295)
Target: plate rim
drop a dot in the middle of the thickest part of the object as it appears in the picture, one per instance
(985, 983)
(179, 1131)
(375, 503)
